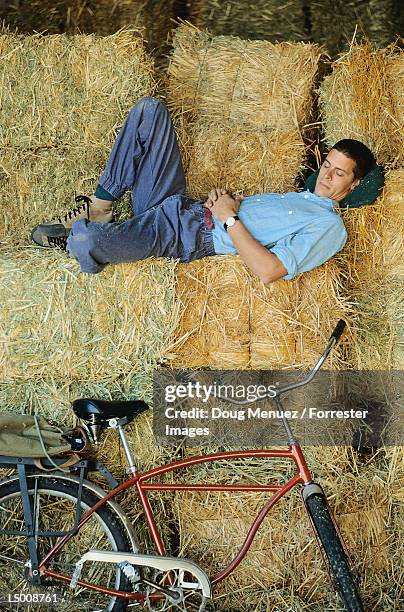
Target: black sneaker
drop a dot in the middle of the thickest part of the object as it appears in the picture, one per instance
(54, 234)
(50, 235)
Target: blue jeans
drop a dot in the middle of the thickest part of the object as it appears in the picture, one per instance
(145, 159)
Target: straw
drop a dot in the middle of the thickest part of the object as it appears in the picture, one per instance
(266, 19)
(220, 521)
(69, 90)
(241, 159)
(373, 263)
(63, 99)
(87, 16)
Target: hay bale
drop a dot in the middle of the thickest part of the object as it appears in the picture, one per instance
(214, 325)
(63, 99)
(88, 328)
(291, 320)
(374, 115)
(90, 16)
(241, 159)
(39, 186)
(69, 90)
(266, 20)
(189, 349)
(234, 81)
(231, 319)
(372, 259)
(272, 341)
(321, 303)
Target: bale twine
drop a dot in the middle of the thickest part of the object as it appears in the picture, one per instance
(373, 115)
(56, 321)
(55, 131)
(254, 83)
(266, 20)
(88, 16)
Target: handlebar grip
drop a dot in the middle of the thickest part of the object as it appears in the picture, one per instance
(339, 328)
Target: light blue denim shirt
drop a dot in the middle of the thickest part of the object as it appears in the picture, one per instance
(301, 229)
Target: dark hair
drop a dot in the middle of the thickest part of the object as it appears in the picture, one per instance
(362, 156)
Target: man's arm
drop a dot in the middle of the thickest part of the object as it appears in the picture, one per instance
(267, 266)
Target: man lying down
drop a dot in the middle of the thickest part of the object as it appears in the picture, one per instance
(276, 235)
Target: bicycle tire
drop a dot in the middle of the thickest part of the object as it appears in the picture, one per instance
(339, 565)
(104, 530)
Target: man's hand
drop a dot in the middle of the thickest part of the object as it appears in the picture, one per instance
(214, 194)
(223, 205)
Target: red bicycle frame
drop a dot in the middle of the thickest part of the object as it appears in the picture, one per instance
(142, 483)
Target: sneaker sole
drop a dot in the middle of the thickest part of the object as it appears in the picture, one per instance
(57, 233)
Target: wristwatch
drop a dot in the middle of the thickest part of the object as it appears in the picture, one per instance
(230, 221)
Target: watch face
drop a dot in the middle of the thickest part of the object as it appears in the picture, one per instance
(230, 221)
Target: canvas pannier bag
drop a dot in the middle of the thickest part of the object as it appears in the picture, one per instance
(25, 435)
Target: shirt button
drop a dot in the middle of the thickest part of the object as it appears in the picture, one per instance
(258, 199)
(282, 196)
(291, 212)
(305, 197)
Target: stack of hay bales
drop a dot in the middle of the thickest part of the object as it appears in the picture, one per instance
(239, 105)
(374, 115)
(90, 16)
(372, 260)
(63, 334)
(373, 255)
(258, 20)
(242, 109)
(66, 335)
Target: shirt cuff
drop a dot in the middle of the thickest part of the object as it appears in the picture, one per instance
(287, 258)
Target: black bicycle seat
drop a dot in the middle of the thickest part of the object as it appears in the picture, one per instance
(85, 408)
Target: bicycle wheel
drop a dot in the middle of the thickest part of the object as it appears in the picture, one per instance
(339, 565)
(56, 503)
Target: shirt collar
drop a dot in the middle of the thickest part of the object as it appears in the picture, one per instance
(322, 200)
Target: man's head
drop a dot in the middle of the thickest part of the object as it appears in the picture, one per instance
(344, 167)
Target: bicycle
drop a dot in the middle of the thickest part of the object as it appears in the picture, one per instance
(64, 529)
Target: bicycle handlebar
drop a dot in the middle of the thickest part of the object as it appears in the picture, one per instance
(339, 328)
(335, 336)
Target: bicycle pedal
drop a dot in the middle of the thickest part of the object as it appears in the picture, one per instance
(76, 575)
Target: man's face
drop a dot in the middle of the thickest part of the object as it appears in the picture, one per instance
(336, 177)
